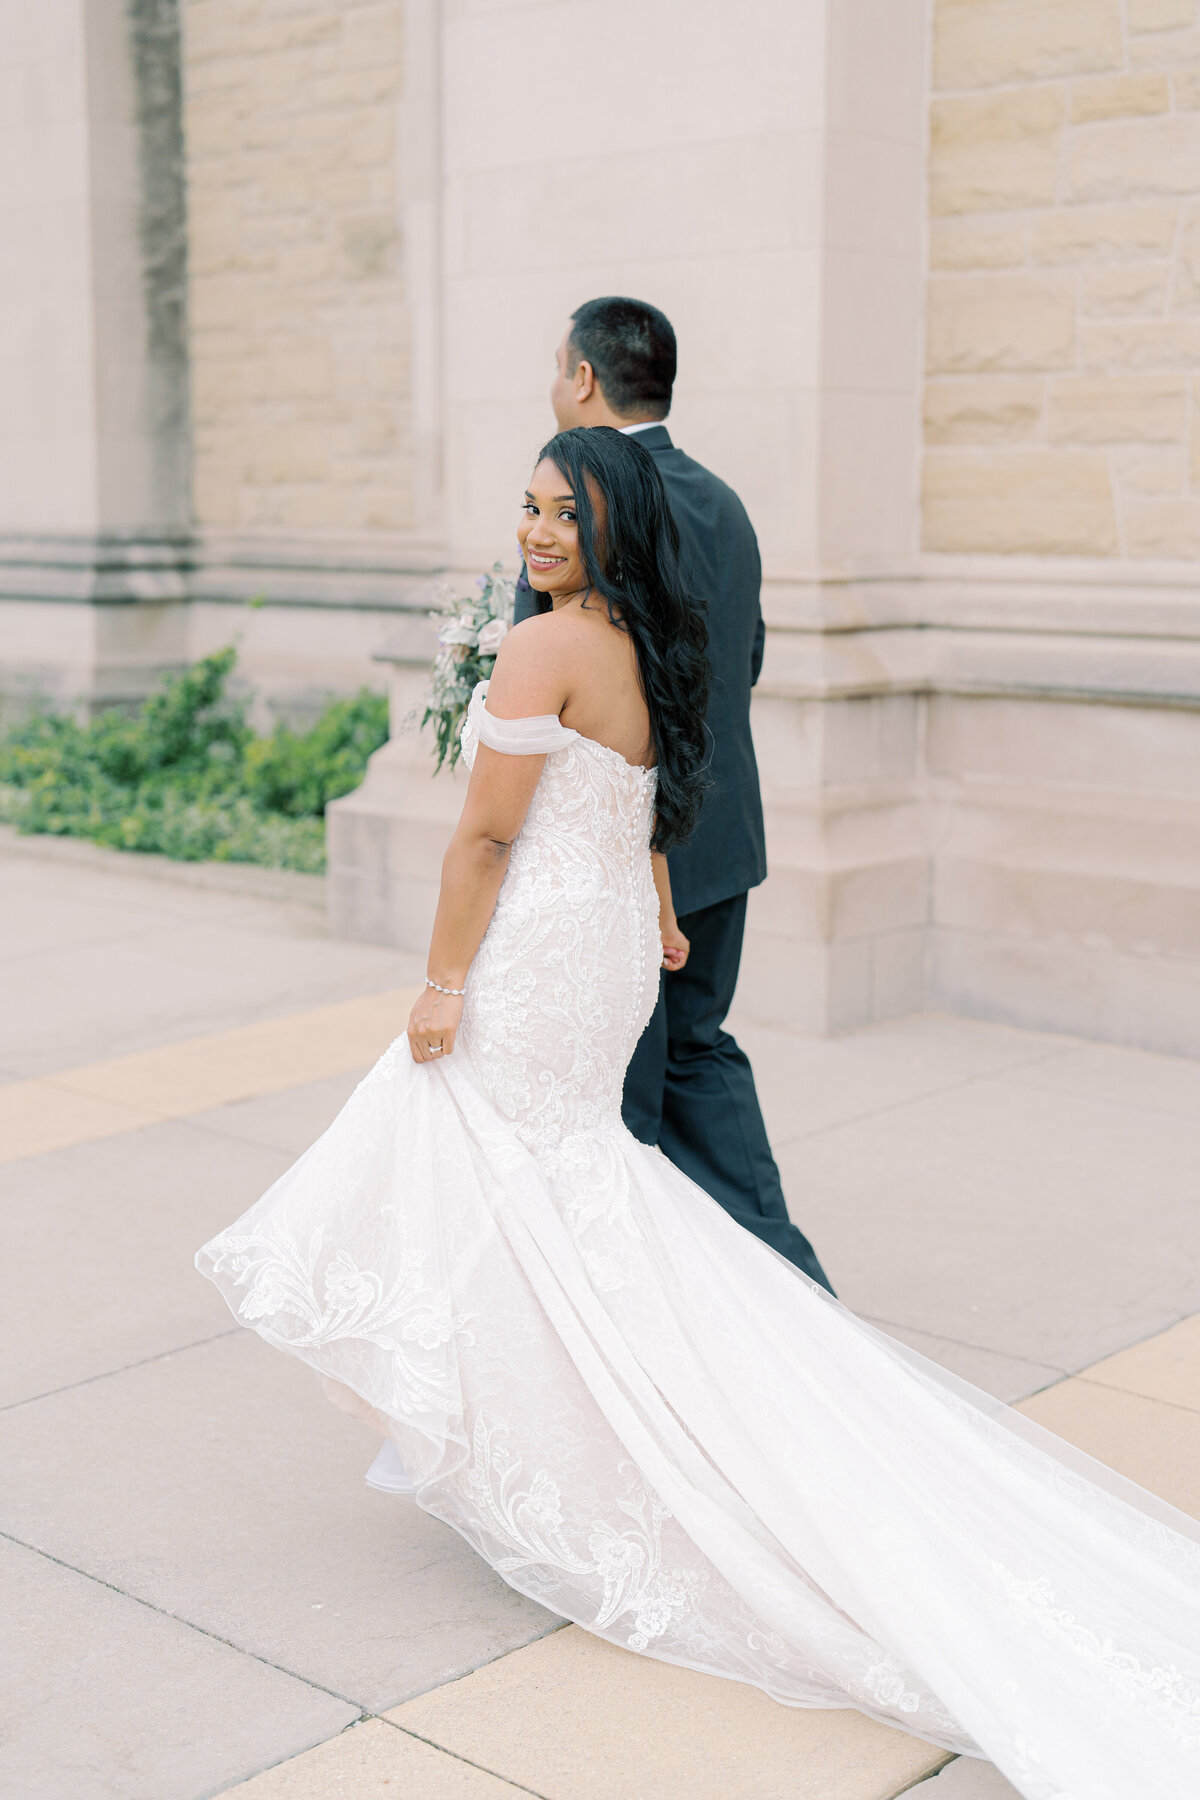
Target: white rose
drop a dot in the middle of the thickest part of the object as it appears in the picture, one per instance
(492, 636)
(456, 634)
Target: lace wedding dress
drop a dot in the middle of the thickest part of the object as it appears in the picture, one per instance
(649, 1422)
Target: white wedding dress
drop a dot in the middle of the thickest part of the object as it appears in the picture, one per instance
(649, 1422)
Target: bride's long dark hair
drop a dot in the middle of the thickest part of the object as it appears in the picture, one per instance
(631, 560)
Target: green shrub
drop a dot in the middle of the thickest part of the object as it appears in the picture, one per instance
(186, 776)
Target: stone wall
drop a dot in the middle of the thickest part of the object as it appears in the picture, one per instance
(1062, 407)
(299, 315)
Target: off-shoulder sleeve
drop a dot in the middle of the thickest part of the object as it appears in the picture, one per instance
(535, 736)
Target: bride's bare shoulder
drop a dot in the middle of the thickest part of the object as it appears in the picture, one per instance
(533, 668)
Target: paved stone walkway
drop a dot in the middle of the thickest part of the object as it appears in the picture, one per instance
(203, 1596)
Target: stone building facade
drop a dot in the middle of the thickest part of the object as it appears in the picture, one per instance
(289, 275)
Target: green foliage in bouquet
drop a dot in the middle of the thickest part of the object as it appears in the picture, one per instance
(185, 775)
(471, 629)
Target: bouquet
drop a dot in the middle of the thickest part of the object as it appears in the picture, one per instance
(471, 629)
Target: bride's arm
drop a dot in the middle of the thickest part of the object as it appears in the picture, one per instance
(526, 682)
(675, 945)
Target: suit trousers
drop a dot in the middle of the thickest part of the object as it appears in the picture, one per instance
(690, 1089)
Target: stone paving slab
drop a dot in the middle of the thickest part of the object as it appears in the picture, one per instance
(1054, 1226)
(97, 1272)
(123, 1093)
(1006, 1201)
(1153, 1443)
(97, 962)
(965, 1779)
(575, 1718)
(289, 1121)
(807, 1085)
(219, 1484)
(1009, 1378)
(375, 1761)
(1164, 1368)
(104, 1699)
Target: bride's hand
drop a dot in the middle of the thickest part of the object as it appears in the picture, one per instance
(675, 947)
(433, 1025)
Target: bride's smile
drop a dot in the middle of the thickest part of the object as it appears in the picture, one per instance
(549, 535)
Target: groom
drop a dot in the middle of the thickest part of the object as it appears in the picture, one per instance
(689, 1088)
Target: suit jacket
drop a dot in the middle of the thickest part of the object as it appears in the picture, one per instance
(727, 852)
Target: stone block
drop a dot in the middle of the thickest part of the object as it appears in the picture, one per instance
(1187, 89)
(1160, 15)
(969, 243)
(1129, 290)
(1195, 457)
(993, 151)
(1048, 898)
(1140, 470)
(1001, 322)
(1116, 409)
(1108, 233)
(1134, 157)
(1167, 528)
(1140, 344)
(978, 45)
(1122, 998)
(1185, 285)
(983, 409)
(1053, 503)
(1116, 96)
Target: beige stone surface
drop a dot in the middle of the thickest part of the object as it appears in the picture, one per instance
(224, 1488)
(36, 1116)
(968, 1779)
(1136, 290)
(1146, 409)
(1166, 1367)
(1114, 96)
(118, 1296)
(299, 308)
(104, 960)
(1115, 232)
(1153, 1443)
(1160, 15)
(1127, 158)
(1186, 84)
(1164, 528)
(1023, 40)
(544, 1718)
(1002, 322)
(125, 1093)
(993, 151)
(983, 410)
(106, 1699)
(985, 242)
(1140, 344)
(373, 1761)
(1028, 500)
(1185, 289)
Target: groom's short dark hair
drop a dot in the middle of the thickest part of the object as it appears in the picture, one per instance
(631, 348)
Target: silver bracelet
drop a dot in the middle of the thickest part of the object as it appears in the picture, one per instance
(458, 992)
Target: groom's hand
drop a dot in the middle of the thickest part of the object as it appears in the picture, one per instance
(675, 948)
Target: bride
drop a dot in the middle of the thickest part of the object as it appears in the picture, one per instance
(639, 1414)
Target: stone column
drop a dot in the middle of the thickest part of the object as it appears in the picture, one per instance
(93, 376)
(758, 172)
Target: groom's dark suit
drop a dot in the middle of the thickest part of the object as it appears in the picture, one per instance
(690, 1088)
